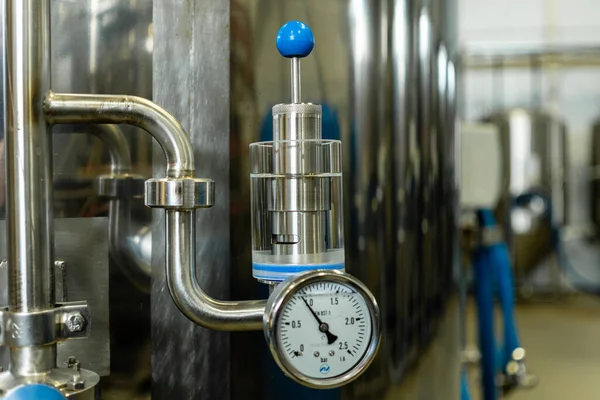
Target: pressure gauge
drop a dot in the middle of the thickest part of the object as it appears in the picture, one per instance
(323, 328)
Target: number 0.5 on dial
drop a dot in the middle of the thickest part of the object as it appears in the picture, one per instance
(324, 330)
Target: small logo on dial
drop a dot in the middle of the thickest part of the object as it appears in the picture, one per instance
(325, 369)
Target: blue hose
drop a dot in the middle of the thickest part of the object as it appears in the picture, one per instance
(484, 295)
(503, 274)
(465, 392)
(493, 270)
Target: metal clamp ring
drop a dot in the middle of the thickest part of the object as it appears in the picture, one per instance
(180, 193)
(124, 186)
(66, 321)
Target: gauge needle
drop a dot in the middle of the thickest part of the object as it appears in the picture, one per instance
(323, 327)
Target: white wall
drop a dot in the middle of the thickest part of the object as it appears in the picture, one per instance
(574, 94)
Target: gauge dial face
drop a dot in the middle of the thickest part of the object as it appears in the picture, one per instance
(324, 330)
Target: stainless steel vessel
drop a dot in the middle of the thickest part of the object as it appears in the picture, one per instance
(595, 181)
(385, 71)
(534, 161)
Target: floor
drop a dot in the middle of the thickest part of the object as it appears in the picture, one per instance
(562, 341)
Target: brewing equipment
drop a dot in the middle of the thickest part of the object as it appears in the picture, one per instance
(385, 71)
(595, 192)
(384, 74)
(32, 324)
(534, 160)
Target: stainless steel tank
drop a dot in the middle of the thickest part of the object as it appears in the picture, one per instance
(384, 71)
(534, 161)
(595, 181)
(107, 48)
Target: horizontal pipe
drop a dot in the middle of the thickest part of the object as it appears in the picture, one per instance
(120, 109)
(567, 50)
(481, 57)
(185, 290)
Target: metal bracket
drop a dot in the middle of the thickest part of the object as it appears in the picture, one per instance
(60, 281)
(66, 321)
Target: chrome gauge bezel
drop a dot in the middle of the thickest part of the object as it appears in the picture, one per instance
(280, 297)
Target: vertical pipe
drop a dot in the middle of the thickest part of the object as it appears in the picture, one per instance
(295, 78)
(28, 155)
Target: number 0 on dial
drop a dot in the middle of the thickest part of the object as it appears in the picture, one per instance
(323, 328)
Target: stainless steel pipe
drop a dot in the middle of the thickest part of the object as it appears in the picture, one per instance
(130, 246)
(296, 87)
(117, 146)
(129, 243)
(180, 237)
(131, 110)
(184, 288)
(28, 156)
(29, 196)
(27, 361)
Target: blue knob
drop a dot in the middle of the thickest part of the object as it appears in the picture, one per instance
(34, 392)
(295, 39)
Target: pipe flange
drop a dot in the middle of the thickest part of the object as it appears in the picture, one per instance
(180, 193)
(123, 186)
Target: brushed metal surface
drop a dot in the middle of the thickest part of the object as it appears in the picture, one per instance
(28, 168)
(68, 108)
(189, 361)
(533, 154)
(385, 69)
(29, 199)
(107, 48)
(87, 279)
(595, 163)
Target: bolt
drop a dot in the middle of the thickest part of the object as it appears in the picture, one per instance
(75, 322)
(73, 364)
(331, 353)
(316, 354)
(76, 382)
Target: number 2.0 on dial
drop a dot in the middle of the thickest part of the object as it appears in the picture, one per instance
(324, 330)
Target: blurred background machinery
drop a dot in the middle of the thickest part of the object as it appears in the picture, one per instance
(540, 199)
(529, 107)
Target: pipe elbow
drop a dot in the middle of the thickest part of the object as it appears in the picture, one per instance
(217, 315)
(187, 294)
(61, 108)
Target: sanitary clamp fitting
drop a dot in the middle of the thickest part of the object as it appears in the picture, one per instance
(66, 321)
(180, 193)
(122, 186)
